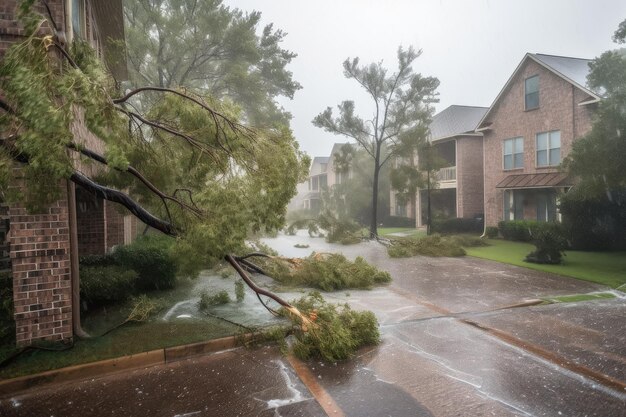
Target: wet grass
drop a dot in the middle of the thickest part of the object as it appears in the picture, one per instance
(581, 297)
(607, 268)
(410, 232)
(127, 340)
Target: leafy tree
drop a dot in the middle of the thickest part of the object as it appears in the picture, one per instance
(401, 102)
(207, 46)
(597, 159)
(200, 175)
(416, 167)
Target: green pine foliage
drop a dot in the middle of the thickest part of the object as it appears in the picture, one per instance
(327, 272)
(239, 180)
(433, 245)
(336, 332)
(210, 300)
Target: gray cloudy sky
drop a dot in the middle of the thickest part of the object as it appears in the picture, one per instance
(472, 46)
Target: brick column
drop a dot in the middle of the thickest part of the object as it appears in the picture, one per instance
(39, 250)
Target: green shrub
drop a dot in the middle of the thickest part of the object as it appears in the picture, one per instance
(150, 256)
(491, 232)
(7, 320)
(595, 223)
(549, 239)
(102, 285)
(468, 241)
(457, 225)
(97, 260)
(328, 272)
(518, 230)
(337, 331)
(345, 231)
(433, 245)
(240, 293)
(398, 221)
(207, 300)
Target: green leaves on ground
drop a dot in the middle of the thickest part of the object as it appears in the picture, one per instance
(336, 331)
(209, 300)
(325, 271)
(433, 245)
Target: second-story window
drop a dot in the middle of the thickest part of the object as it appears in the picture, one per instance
(531, 92)
(314, 184)
(514, 153)
(549, 148)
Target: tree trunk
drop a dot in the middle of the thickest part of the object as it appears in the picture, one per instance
(374, 219)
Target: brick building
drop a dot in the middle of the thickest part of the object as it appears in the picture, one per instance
(543, 108)
(43, 248)
(460, 182)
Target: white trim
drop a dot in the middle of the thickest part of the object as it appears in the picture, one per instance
(455, 136)
(584, 103)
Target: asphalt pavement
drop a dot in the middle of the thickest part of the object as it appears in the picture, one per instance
(460, 337)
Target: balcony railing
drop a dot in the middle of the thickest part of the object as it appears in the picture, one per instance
(446, 174)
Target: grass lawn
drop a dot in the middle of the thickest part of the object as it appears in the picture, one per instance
(410, 231)
(608, 268)
(127, 340)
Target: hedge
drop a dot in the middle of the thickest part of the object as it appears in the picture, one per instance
(458, 225)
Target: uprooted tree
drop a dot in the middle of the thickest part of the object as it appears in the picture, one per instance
(188, 168)
(401, 103)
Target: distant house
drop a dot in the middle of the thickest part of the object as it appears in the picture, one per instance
(323, 174)
(528, 130)
(317, 182)
(460, 182)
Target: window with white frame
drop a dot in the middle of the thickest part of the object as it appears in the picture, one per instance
(513, 205)
(531, 93)
(549, 148)
(514, 153)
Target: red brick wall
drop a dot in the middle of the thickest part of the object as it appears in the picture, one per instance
(114, 225)
(11, 31)
(469, 176)
(558, 110)
(90, 224)
(39, 250)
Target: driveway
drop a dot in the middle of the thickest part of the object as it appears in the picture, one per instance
(459, 339)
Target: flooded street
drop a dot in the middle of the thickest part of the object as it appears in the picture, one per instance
(460, 337)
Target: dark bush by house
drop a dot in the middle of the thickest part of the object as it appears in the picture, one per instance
(550, 241)
(491, 232)
(397, 221)
(519, 230)
(594, 224)
(151, 258)
(458, 225)
(102, 285)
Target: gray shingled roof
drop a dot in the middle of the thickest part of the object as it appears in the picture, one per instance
(456, 120)
(575, 69)
(321, 160)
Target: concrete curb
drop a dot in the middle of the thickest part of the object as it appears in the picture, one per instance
(124, 363)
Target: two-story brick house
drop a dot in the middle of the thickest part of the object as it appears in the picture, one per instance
(529, 129)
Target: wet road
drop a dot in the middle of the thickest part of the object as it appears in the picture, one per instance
(452, 346)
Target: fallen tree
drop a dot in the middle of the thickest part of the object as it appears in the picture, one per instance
(187, 166)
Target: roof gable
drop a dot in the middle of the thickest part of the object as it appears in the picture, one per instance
(455, 120)
(572, 70)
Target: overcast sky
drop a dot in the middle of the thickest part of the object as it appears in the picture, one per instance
(472, 46)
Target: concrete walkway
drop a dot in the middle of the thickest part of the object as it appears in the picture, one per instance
(456, 342)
